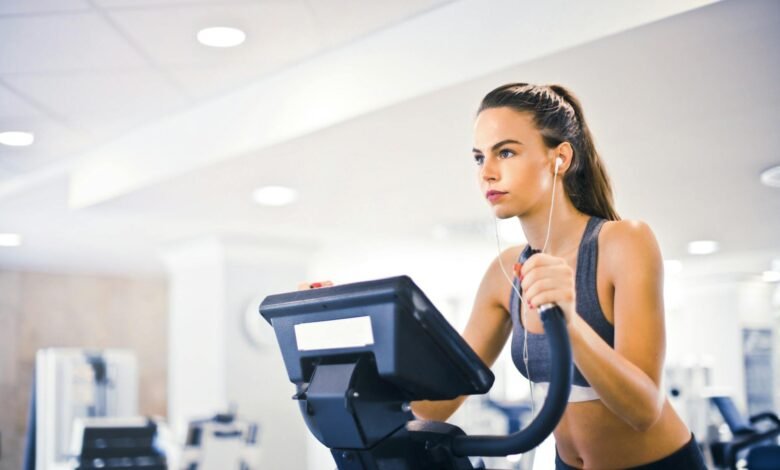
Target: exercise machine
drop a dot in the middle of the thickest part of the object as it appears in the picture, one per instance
(221, 442)
(72, 384)
(756, 433)
(116, 443)
(358, 354)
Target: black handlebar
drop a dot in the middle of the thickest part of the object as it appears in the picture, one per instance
(554, 405)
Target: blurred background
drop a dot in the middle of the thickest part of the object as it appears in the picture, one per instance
(166, 164)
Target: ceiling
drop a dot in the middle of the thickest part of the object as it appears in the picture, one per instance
(683, 108)
(82, 72)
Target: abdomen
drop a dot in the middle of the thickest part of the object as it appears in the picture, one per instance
(589, 435)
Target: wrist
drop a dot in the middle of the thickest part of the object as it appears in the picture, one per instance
(574, 325)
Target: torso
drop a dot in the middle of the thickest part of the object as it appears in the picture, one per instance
(589, 435)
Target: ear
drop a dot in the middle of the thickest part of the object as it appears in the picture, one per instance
(565, 152)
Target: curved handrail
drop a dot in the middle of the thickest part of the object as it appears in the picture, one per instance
(554, 405)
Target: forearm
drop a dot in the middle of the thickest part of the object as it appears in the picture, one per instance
(436, 410)
(623, 387)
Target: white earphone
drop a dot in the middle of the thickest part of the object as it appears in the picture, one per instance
(558, 163)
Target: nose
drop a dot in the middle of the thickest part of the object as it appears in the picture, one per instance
(489, 169)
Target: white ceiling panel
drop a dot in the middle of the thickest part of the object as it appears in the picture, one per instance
(276, 32)
(21, 7)
(104, 103)
(342, 20)
(12, 106)
(201, 82)
(62, 43)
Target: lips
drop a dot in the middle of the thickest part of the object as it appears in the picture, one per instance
(492, 195)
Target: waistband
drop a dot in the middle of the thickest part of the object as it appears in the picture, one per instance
(578, 393)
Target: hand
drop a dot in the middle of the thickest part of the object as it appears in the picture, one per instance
(314, 285)
(546, 279)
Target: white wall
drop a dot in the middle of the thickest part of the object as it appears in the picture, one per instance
(196, 354)
(213, 365)
(257, 381)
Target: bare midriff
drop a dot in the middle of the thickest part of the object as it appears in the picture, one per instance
(590, 436)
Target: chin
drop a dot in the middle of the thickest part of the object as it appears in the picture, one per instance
(503, 214)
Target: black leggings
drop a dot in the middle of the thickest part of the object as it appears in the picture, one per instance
(688, 457)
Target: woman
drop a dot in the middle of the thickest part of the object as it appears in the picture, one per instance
(537, 162)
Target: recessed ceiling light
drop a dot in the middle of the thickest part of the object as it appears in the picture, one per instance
(274, 196)
(771, 176)
(221, 36)
(10, 239)
(17, 138)
(702, 247)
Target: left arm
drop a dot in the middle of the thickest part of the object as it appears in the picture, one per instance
(628, 377)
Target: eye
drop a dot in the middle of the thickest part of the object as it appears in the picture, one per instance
(479, 159)
(506, 153)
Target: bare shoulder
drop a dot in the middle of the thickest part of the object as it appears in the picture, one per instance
(626, 231)
(494, 287)
(624, 244)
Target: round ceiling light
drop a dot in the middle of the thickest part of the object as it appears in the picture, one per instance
(274, 196)
(771, 177)
(17, 138)
(221, 36)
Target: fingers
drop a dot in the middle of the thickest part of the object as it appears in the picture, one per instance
(314, 285)
(559, 273)
(550, 296)
(539, 260)
(547, 283)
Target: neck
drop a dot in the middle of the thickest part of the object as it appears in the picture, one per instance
(568, 225)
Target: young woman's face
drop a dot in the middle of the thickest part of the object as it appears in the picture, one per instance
(512, 158)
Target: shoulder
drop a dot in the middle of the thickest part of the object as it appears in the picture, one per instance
(626, 232)
(511, 255)
(625, 245)
(494, 287)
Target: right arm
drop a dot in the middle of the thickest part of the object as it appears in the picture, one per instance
(486, 332)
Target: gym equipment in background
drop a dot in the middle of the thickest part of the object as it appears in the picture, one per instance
(221, 442)
(116, 443)
(748, 434)
(359, 353)
(71, 384)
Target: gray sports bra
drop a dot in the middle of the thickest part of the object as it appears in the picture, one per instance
(587, 306)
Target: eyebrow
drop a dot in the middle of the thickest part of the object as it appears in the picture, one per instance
(499, 145)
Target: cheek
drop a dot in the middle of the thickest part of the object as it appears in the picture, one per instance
(530, 176)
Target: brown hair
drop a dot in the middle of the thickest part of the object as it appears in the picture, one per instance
(558, 116)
